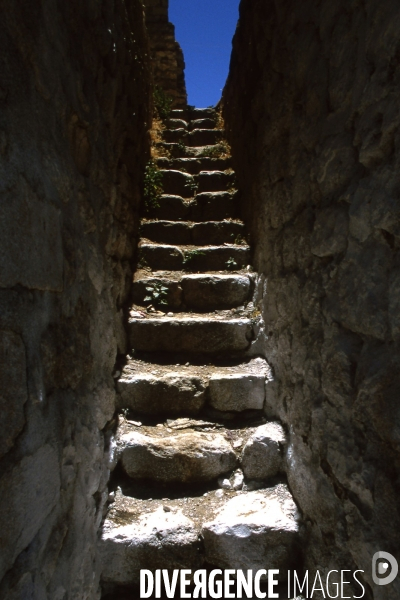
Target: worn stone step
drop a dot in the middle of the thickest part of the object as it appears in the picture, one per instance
(178, 183)
(150, 539)
(194, 165)
(202, 113)
(176, 150)
(251, 530)
(193, 114)
(174, 456)
(193, 451)
(199, 234)
(204, 137)
(186, 185)
(171, 206)
(175, 136)
(194, 136)
(208, 123)
(176, 124)
(214, 206)
(264, 453)
(179, 113)
(203, 334)
(159, 389)
(197, 291)
(214, 181)
(167, 232)
(194, 259)
(206, 206)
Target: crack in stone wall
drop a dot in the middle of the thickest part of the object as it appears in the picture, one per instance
(74, 96)
(312, 112)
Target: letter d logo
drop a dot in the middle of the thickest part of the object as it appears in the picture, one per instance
(387, 564)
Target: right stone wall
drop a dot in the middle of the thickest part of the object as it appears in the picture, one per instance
(312, 111)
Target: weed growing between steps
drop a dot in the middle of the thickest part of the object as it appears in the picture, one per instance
(152, 186)
(231, 264)
(157, 294)
(190, 257)
(220, 150)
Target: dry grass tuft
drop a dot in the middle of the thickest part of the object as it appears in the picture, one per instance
(156, 133)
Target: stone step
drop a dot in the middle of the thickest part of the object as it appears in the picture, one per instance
(176, 124)
(199, 292)
(208, 123)
(193, 114)
(163, 454)
(214, 181)
(200, 334)
(189, 451)
(172, 206)
(249, 530)
(204, 137)
(176, 150)
(175, 136)
(214, 206)
(193, 259)
(194, 165)
(199, 234)
(202, 113)
(179, 113)
(206, 206)
(178, 183)
(196, 137)
(175, 390)
(183, 184)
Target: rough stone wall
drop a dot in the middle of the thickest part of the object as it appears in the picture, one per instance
(74, 97)
(312, 107)
(166, 54)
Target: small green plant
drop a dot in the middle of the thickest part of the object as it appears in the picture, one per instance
(181, 146)
(124, 412)
(157, 294)
(231, 264)
(239, 240)
(192, 186)
(190, 256)
(152, 185)
(162, 103)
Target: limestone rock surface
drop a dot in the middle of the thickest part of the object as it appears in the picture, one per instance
(159, 540)
(321, 205)
(185, 457)
(215, 291)
(75, 106)
(263, 454)
(30, 493)
(171, 394)
(188, 334)
(13, 392)
(253, 530)
(237, 392)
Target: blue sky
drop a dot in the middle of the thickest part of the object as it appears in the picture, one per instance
(204, 29)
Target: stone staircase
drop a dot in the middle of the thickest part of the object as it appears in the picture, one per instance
(198, 472)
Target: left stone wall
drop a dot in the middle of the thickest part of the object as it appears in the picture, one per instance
(74, 117)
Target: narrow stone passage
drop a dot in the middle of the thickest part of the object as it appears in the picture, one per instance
(199, 477)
